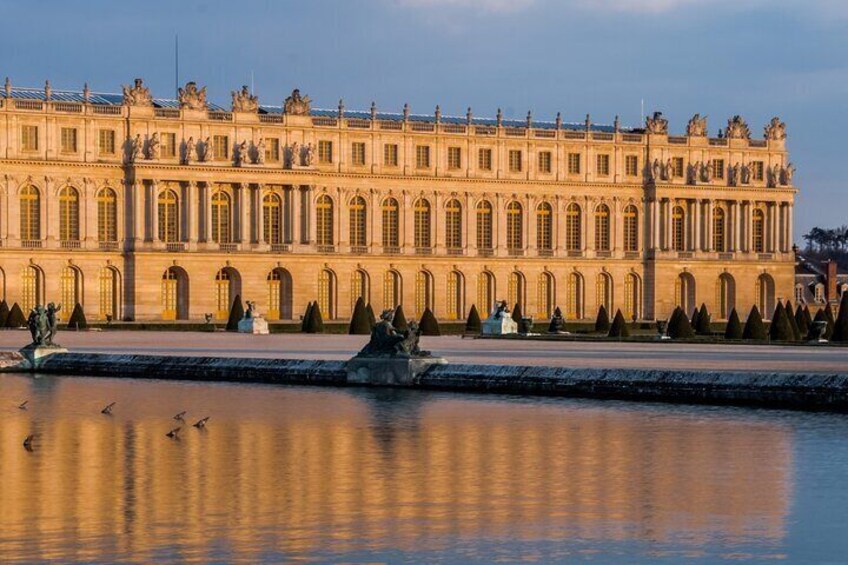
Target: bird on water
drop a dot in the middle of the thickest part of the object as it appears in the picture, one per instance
(174, 434)
(28, 442)
(23, 405)
(200, 424)
(108, 408)
(179, 417)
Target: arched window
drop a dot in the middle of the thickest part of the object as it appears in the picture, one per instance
(222, 294)
(421, 210)
(423, 292)
(30, 202)
(360, 287)
(453, 225)
(327, 294)
(602, 228)
(70, 282)
(109, 294)
(678, 229)
(392, 290)
(391, 237)
(719, 230)
(358, 219)
(279, 294)
(758, 231)
(725, 295)
(107, 215)
(764, 291)
(484, 228)
(573, 239)
(456, 296)
(544, 227)
(221, 218)
(603, 292)
(68, 214)
(32, 288)
(516, 291)
(818, 293)
(546, 296)
(575, 301)
(631, 228)
(324, 223)
(485, 292)
(272, 219)
(514, 226)
(684, 292)
(632, 297)
(175, 294)
(168, 229)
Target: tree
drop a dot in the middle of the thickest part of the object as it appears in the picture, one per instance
(315, 323)
(704, 319)
(808, 318)
(429, 325)
(840, 327)
(473, 324)
(602, 322)
(516, 313)
(77, 320)
(828, 313)
(694, 319)
(733, 330)
(399, 321)
(359, 324)
(790, 316)
(236, 314)
(305, 321)
(779, 329)
(801, 321)
(372, 320)
(754, 327)
(679, 326)
(619, 326)
(4, 313)
(16, 318)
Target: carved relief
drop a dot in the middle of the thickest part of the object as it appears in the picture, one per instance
(244, 101)
(775, 130)
(656, 124)
(137, 95)
(297, 105)
(737, 128)
(191, 97)
(697, 126)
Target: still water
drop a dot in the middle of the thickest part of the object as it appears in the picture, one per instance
(286, 474)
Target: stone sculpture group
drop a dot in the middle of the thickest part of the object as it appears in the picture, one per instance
(43, 324)
(388, 341)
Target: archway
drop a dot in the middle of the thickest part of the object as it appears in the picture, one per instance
(685, 292)
(227, 287)
(109, 294)
(765, 295)
(175, 294)
(279, 283)
(725, 295)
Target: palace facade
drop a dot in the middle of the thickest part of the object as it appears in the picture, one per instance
(142, 208)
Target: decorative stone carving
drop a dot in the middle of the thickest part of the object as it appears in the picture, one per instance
(707, 171)
(252, 322)
(294, 155)
(697, 126)
(737, 128)
(773, 176)
(656, 170)
(775, 130)
(244, 101)
(43, 324)
(190, 151)
(745, 174)
(137, 95)
(668, 170)
(500, 321)
(387, 341)
(191, 97)
(310, 155)
(733, 179)
(260, 151)
(153, 147)
(297, 105)
(557, 325)
(208, 151)
(243, 154)
(788, 173)
(657, 124)
(136, 146)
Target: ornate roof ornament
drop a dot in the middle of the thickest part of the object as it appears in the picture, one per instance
(697, 126)
(775, 130)
(244, 101)
(191, 97)
(137, 95)
(656, 124)
(297, 105)
(737, 128)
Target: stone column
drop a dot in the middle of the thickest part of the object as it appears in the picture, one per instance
(207, 212)
(406, 217)
(669, 209)
(590, 225)
(293, 214)
(709, 227)
(88, 229)
(653, 239)
(749, 235)
(342, 238)
(774, 213)
(470, 225)
(696, 224)
(153, 207)
(374, 236)
(12, 227)
(259, 215)
(790, 212)
(192, 200)
(500, 226)
(531, 227)
(48, 222)
(309, 206)
(244, 214)
(584, 225)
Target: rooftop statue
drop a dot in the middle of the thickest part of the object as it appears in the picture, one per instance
(657, 124)
(137, 95)
(737, 128)
(190, 151)
(153, 146)
(775, 130)
(297, 105)
(244, 101)
(387, 341)
(43, 324)
(191, 97)
(136, 146)
(697, 126)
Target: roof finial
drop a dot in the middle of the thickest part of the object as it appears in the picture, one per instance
(48, 92)
(500, 117)
(373, 110)
(438, 113)
(469, 116)
(86, 93)
(616, 124)
(8, 87)
(341, 108)
(588, 122)
(406, 112)
(559, 120)
(529, 119)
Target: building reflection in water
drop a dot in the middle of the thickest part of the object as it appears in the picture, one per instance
(296, 471)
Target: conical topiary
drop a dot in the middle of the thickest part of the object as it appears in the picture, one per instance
(733, 330)
(754, 327)
(790, 316)
(619, 326)
(305, 321)
(820, 317)
(557, 324)
(4, 313)
(840, 327)
(516, 313)
(315, 323)
(602, 322)
(372, 320)
(694, 320)
(704, 319)
(236, 314)
(801, 321)
(429, 325)
(16, 318)
(779, 329)
(831, 322)
(473, 323)
(808, 318)
(679, 326)
(359, 324)
(399, 321)
(77, 320)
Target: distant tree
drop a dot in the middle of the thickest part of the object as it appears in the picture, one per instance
(473, 323)
(359, 324)
(840, 327)
(77, 320)
(372, 320)
(399, 321)
(429, 325)
(779, 329)
(619, 326)
(315, 323)
(704, 318)
(790, 316)
(305, 321)
(801, 321)
(516, 313)
(16, 318)
(4, 313)
(754, 327)
(602, 322)
(733, 330)
(236, 314)
(831, 322)
(679, 326)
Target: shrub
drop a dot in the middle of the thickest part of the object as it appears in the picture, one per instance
(473, 324)
(16, 318)
(790, 316)
(754, 327)
(733, 330)
(704, 319)
(779, 329)
(828, 313)
(77, 320)
(820, 317)
(359, 324)
(557, 322)
(801, 321)
(840, 327)
(619, 326)
(602, 323)
(305, 321)
(516, 313)
(372, 320)
(236, 314)
(4, 313)
(315, 323)
(429, 325)
(399, 321)
(679, 326)
(694, 319)
(808, 319)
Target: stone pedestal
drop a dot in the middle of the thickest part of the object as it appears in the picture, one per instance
(34, 353)
(389, 371)
(255, 325)
(499, 326)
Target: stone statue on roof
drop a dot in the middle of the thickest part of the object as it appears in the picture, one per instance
(153, 146)
(137, 95)
(260, 151)
(297, 105)
(191, 97)
(697, 126)
(136, 146)
(656, 124)
(775, 130)
(244, 101)
(190, 151)
(737, 128)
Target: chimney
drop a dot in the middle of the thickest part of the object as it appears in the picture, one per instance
(830, 281)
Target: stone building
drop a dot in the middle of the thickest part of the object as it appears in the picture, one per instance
(148, 209)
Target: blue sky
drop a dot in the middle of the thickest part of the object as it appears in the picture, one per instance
(758, 58)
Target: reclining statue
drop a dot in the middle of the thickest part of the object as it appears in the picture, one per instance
(388, 341)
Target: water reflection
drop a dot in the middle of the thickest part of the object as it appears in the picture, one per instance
(288, 473)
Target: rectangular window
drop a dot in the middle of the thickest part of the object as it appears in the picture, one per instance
(718, 168)
(169, 145)
(574, 163)
(357, 153)
(758, 170)
(221, 147)
(325, 151)
(454, 158)
(603, 165)
(272, 150)
(390, 155)
(29, 138)
(422, 156)
(677, 165)
(69, 140)
(545, 162)
(106, 141)
(514, 161)
(484, 159)
(631, 165)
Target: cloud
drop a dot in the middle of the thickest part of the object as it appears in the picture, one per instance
(491, 6)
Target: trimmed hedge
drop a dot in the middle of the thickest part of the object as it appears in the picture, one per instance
(754, 327)
(305, 320)
(619, 326)
(359, 324)
(790, 316)
(77, 320)
(733, 330)
(840, 327)
(429, 325)
(831, 322)
(473, 323)
(16, 318)
(236, 314)
(399, 321)
(372, 320)
(602, 322)
(315, 323)
(802, 321)
(4, 313)
(704, 319)
(517, 314)
(679, 326)
(779, 329)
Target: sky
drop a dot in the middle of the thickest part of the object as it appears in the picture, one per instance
(757, 58)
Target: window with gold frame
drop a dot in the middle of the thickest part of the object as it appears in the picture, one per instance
(221, 217)
(422, 231)
(168, 207)
(514, 226)
(602, 228)
(69, 214)
(30, 213)
(545, 162)
(573, 227)
(484, 159)
(453, 224)
(324, 220)
(678, 229)
(758, 231)
(631, 228)
(484, 225)
(719, 225)
(454, 158)
(515, 161)
(107, 212)
(68, 142)
(390, 211)
(272, 218)
(544, 227)
(358, 221)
